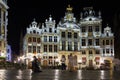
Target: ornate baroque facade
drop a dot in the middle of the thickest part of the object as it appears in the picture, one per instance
(83, 38)
(3, 28)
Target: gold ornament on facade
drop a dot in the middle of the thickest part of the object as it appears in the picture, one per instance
(69, 8)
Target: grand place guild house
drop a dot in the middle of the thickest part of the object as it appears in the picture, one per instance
(84, 38)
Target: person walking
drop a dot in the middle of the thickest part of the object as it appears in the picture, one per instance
(63, 65)
(35, 65)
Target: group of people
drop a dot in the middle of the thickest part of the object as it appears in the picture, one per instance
(72, 62)
(36, 66)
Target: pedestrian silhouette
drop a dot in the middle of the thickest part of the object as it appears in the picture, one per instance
(35, 65)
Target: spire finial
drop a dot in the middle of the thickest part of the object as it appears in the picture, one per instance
(69, 8)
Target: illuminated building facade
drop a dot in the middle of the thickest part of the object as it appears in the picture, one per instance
(84, 39)
(3, 29)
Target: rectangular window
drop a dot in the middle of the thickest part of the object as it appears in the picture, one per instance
(83, 29)
(97, 42)
(90, 42)
(50, 30)
(38, 49)
(96, 28)
(75, 35)
(83, 42)
(103, 42)
(45, 48)
(107, 42)
(34, 49)
(90, 29)
(55, 48)
(29, 49)
(34, 39)
(50, 48)
(45, 38)
(83, 52)
(29, 39)
(75, 46)
(69, 35)
(97, 51)
(69, 46)
(38, 40)
(111, 42)
(63, 45)
(63, 35)
(55, 38)
(107, 51)
(50, 38)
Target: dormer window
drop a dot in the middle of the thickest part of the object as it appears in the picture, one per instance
(34, 31)
(90, 19)
(107, 34)
(45, 30)
(55, 31)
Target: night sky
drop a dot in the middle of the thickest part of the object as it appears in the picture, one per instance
(22, 12)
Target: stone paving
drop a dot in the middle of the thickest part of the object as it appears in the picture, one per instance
(55, 74)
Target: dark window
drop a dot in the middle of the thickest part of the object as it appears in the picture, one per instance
(69, 35)
(63, 35)
(34, 49)
(34, 39)
(69, 46)
(29, 39)
(83, 29)
(55, 48)
(97, 51)
(38, 40)
(103, 42)
(97, 42)
(96, 28)
(83, 52)
(83, 42)
(75, 35)
(90, 51)
(89, 42)
(107, 42)
(45, 48)
(50, 30)
(63, 45)
(90, 29)
(50, 48)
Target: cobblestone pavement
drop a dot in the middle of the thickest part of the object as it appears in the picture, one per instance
(55, 74)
